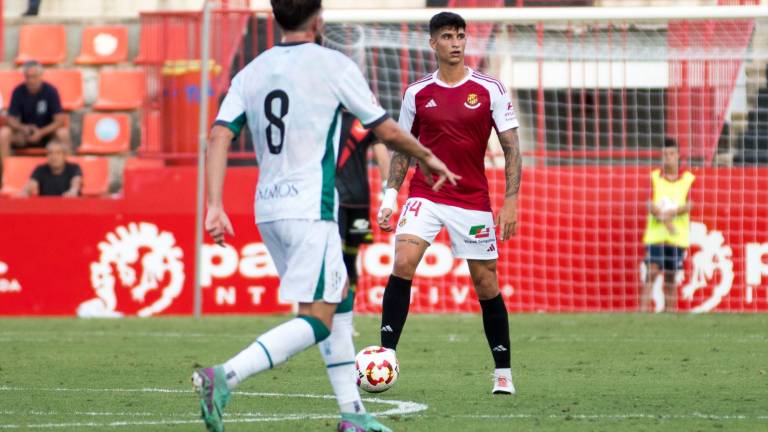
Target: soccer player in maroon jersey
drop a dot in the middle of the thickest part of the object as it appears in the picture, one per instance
(452, 112)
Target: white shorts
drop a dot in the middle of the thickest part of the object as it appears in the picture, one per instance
(472, 232)
(307, 255)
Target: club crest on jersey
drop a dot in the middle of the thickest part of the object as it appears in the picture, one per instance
(403, 221)
(472, 102)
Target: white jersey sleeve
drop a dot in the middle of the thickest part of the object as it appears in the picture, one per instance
(407, 111)
(503, 112)
(356, 96)
(232, 111)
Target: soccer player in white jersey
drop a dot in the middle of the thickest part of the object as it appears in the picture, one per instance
(452, 112)
(292, 96)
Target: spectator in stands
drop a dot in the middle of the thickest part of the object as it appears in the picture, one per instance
(666, 233)
(56, 177)
(33, 6)
(34, 114)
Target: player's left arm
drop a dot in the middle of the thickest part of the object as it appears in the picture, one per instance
(506, 220)
(505, 120)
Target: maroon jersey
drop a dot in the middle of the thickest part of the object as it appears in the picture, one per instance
(455, 123)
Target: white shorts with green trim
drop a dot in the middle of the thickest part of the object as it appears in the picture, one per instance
(472, 232)
(308, 258)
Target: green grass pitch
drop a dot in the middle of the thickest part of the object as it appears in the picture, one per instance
(588, 372)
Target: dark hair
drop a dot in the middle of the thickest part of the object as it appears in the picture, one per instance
(293, 14)
(31, 64)
(446, 19)
(669, 142)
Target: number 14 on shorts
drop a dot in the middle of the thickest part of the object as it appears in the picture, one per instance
(411, 206)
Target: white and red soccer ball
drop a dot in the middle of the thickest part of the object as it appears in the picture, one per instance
(377, 369)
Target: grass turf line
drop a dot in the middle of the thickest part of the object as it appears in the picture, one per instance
(587, 372)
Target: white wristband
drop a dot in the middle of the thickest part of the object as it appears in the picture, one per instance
(390, 200)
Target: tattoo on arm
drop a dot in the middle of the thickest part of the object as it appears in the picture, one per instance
(398, 168)
(513, 163)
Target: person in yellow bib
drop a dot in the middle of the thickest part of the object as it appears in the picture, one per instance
(667, 230)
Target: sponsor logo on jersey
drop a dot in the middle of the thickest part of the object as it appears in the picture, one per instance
(431, 104)
(472, 101)
(480, 231)
(277, 191)
(138, 260)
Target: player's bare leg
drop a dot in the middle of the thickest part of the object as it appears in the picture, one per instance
(495, 322)
(409, 249)
(670, 292)
(645, 295)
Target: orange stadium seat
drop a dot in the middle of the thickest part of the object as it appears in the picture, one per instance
(46, 43)
(95, 175)
(16, 173)
(103, 45)
(69, 83)
(120, 89)
(105, 133)
(9, 79)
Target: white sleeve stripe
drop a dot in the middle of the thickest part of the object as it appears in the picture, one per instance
(492, 81)
(426, 78)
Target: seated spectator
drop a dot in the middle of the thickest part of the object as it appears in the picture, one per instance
(34, 114)
(56, 177)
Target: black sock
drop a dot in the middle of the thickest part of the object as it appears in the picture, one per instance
(397, 298)
(496, 325)
(349, 263)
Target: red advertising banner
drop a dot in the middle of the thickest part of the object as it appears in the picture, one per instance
(578, 248)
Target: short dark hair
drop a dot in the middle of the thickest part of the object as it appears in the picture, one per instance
(446, 19)
(293, 14)
(670, 142)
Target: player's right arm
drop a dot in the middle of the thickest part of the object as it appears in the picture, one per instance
(398, 167)
(229, 122)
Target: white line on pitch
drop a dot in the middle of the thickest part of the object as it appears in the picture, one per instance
(693, 415)
(398, 408)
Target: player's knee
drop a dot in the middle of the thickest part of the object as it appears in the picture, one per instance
(486, 282)
(653, 272)
(404, 266)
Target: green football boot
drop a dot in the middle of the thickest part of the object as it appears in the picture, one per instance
(360, 423)
(211, 386)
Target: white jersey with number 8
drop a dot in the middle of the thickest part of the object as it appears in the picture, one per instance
(291, 96)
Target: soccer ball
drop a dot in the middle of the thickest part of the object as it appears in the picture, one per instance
(377, 369)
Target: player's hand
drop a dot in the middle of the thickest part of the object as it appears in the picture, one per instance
(217, 224)
(670, 226)
(431, 166)
(506, 219)
(384, 219)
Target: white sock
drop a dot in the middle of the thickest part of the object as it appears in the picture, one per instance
(338, 351)
(507, 372)
(270, 349)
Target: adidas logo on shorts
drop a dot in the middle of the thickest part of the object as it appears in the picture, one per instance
(491, 248)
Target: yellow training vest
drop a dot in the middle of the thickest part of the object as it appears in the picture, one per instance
(669, 194)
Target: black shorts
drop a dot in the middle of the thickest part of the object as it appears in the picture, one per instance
(355, 226)
(668, 258)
